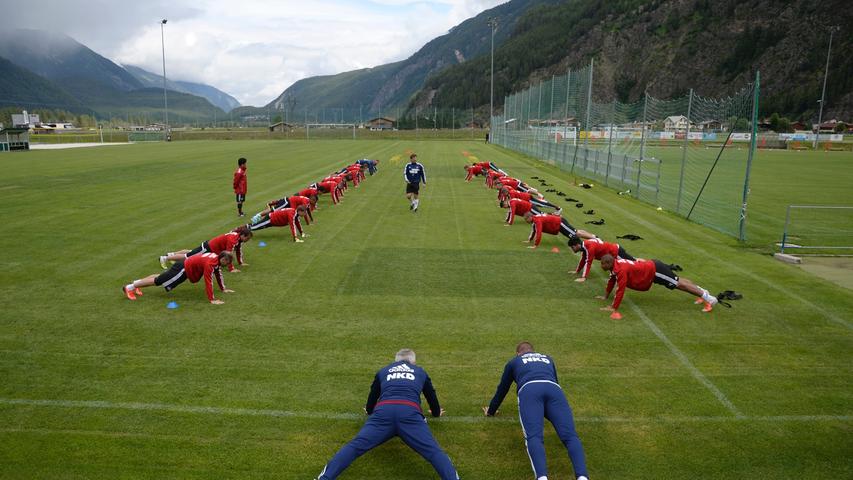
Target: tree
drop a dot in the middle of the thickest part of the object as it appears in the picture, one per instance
(840, 127)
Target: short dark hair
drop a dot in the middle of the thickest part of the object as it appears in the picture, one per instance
(224, 254)
(575, 240)
(244, 230)
(241, 161)
(413, 156)
(524, 347)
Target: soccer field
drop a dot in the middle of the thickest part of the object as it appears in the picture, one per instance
(271, 384)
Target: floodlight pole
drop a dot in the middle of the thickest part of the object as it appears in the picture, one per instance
(493, 22)
(165, 98)
(823, 92)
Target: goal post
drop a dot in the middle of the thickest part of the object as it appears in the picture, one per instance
(818, 230)
(329, 130)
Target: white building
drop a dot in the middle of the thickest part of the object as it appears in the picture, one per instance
(677, 123)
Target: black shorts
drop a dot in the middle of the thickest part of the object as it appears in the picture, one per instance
(624, 255)
(665, 276)
(172, 277)
(241, 197)
(203, 248)
(413, 188)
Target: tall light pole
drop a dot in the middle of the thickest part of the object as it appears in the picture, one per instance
(493, 22)
(823, 92)
(165, 99)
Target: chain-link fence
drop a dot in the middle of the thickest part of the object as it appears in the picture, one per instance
(689, 155)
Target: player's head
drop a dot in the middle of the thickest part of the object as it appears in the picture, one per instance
(241, 162)
(302, 210)
(225, 259)
(523, 347)
(607, 262)
(528, 217)
(244, 232)
(575, 243)
(405, 355)
(413, 157)
(504, 203)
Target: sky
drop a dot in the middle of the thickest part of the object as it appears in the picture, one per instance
(251, 49)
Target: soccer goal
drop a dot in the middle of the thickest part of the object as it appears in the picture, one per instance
(330, 131)
(818, 230)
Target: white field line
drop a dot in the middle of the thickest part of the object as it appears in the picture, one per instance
(697, 374)
(252, 412)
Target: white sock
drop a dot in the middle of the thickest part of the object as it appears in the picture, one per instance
(417, 202)
(129, 287)
(706, 296)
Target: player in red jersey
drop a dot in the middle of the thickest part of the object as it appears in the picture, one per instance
(292, 201)
(593, 249)
(640, 275)
(227, 242)
(240, 185)
(552, 224)
(312, 195)
(473, 171)
(518, 207)
(284, 217)
(492, 176)
(194, 268)
(331, 188)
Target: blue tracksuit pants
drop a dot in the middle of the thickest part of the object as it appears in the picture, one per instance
(386, 422)
(538, 400)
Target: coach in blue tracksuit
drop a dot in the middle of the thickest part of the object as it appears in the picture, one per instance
(414, 174)
(394, 406)
(371, 164)
(539, 397)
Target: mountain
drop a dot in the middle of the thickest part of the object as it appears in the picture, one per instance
(212, 94)
(19, 86)
(714, 47)
(391, 85)
(94, 81)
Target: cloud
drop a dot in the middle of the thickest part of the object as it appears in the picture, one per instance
(252, 49)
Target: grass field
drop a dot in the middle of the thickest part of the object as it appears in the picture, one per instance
(272, 383)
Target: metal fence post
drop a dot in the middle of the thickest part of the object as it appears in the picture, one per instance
(588, 110)
(642, 142)
(551, 111)
(684, 154)
(610, 142)
(657, 184)
(785, 230)
(752, 143)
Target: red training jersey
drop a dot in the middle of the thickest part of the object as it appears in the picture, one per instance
(520, 195)
(204, 266)
(240, 180)
(517, 207)
(594, 249)
(307, 192)
(545, 223)
(633, 274)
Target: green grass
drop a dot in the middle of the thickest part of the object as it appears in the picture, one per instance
(761, 390)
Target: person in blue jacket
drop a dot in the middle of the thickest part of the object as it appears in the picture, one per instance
(539, 397)
(394, 409)
(414, 174)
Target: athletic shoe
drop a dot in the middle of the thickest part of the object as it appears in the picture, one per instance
(698, 301)
(298, 240)
(137, 292)
(241, 215)
(128, 293)
(412, 206)
(558, 211)
(710, 305)
(164, 264)
(256, 218)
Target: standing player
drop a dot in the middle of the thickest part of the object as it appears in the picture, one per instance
(593, 249)
(240, 185)
(539, 397)
(414, 174)
(394, 406)
(640, 275)
(206, 265)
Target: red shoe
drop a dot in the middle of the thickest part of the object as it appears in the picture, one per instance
(616, 316)
(137, 292)
(698, 301)
(128, 293)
